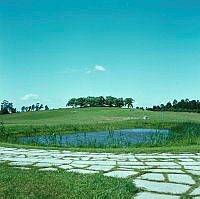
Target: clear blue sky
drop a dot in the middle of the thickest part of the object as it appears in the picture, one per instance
(52, 50)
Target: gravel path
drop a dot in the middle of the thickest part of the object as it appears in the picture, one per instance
(161, 176)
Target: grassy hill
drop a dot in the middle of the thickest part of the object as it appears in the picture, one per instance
(91, 119)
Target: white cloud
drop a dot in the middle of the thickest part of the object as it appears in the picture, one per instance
(30, 97)
(100, 68)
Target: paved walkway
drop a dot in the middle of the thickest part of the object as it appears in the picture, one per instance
(160, 176)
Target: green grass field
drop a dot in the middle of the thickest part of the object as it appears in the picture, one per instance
(17, 183)
(40, 184)
(91, 119)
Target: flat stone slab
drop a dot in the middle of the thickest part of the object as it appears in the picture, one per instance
(165, 171)
(196, 191)
(163, 187)
(148, 195)
(153, 176)
(82, 171)
(192, 167)
(100, 167)
(120, 174)
(161, 163)
(20, 163)
(48, 169)
(130, 163)
(181, 178)
(194, 172)
(90, 162)
(65, 167)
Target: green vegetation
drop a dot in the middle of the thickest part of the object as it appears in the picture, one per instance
(16, 183)
(186, 126)
(182, 106)
(100, 101)
(91, 119)
(7, 107)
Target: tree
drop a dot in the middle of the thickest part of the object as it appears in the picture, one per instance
(23, 109)
(72, 102)
(119, 102)
(37, 107)
(110, 101)
(129, 102)
(33, 107)
(7, 107)
(41, 106)
(46, 108)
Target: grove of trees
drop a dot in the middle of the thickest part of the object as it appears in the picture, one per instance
(34, 107)
(7, 107)
(100, 101)
(179, 106)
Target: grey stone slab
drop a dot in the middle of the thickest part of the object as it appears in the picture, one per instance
(181, 178)
(48, 169)
(189, 163)
(192, 167)
(79, 165)
(54, 160)
(23, 168)
(153, 176)
(161, 187)
(168, 167)
(33, 160)
(82, 171)
(120, 174)
(135, 167)
(194, 172)
(90, 162)
(186, 160)
(20, 163)
(165, 171)
(65, 167)
(196, 191)
(100, 167)
(130, 163)
(161, 163)
(148, 195)
(43, 164)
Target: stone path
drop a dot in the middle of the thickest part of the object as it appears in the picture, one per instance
(162, 176)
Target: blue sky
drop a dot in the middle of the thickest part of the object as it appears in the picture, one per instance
(52, 50)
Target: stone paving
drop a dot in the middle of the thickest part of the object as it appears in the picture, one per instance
(158, 175)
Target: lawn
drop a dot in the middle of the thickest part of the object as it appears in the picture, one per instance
(90, 119)
(17, 183)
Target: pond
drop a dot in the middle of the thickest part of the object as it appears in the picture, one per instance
(126, 137)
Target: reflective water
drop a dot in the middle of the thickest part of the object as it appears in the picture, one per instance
(125, 137)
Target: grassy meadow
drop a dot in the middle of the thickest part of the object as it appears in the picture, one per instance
(17, 183)
(184, 125)
(90, 119)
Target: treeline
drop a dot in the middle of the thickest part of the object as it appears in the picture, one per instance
(34, 107)
(7, 107)
(179, 106)
(100, 101)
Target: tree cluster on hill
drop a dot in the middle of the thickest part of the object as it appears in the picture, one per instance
(181, 106)
(100, 101)
(34, 107)
(7, 107)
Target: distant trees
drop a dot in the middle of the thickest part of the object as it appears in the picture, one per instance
(7, 107)
(34, 107)
(181, 106)
(100, 101)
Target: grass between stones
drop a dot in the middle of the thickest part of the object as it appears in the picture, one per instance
(134, 150)
(17, 183)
